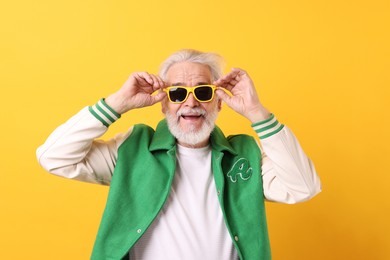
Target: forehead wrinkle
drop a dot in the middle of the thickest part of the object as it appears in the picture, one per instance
(193, 78)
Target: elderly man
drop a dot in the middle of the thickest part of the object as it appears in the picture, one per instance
(184, 190)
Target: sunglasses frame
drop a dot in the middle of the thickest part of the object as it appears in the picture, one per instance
(190, 90)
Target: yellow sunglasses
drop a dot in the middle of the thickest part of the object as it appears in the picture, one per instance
(179, 94)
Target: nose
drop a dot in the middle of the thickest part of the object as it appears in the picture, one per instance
(191, 101)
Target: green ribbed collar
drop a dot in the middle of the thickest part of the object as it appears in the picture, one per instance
(164, 140)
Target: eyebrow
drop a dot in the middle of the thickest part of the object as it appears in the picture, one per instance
(182, 84)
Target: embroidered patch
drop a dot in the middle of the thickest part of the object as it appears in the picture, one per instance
(242, 169)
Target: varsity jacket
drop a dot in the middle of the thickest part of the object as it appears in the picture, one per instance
(139, 189)
(242, 175)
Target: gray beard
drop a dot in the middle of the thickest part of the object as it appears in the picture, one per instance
(192, 136)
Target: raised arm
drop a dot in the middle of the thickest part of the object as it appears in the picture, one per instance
(288, 174)
(73, 149)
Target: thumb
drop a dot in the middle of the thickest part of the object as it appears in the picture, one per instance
(223, 95)
(159, 96)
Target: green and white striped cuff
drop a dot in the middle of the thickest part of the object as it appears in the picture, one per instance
(268, 127)
(104, 113)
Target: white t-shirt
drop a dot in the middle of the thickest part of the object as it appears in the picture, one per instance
(191, 218)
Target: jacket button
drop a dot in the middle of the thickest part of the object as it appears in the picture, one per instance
(236, 238)
(218, 192)
(139, 231)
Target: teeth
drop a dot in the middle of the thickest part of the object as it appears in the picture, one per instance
(196, 112)
(191, 115)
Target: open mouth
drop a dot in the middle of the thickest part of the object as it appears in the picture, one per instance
(191, 117)
(191, 114)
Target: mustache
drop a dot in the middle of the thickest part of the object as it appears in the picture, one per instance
(191, 111)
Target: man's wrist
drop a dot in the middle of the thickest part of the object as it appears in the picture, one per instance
(259, 115)
(104, 113)
(267, 127)
(116, 102)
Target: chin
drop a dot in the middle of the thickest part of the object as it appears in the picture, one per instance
(189, 134)
(192, 133)
(191, 128)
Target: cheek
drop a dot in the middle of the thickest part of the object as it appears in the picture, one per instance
(171, 108)
(210, 107)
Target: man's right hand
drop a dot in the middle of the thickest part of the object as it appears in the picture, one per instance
(136, 92)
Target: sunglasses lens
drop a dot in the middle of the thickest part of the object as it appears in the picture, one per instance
(204, 93)
(177, 94)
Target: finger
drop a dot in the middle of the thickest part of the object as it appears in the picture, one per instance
(158, 97)
(227, 85)
(161, 82)
(223, 79)
(222, 82)
(141, 81)
(223, 95)
(144, 78)
(230, 87)
(233, 82)
(228, 77)
(156, 83)
(241, 74)
(238, 71)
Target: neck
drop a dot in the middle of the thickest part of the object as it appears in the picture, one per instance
(197, 145)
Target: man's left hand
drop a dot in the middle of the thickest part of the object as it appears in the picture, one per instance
(244, 99)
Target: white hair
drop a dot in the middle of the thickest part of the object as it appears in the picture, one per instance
(214, 61)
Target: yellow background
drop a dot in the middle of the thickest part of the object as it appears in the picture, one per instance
(321, 66)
